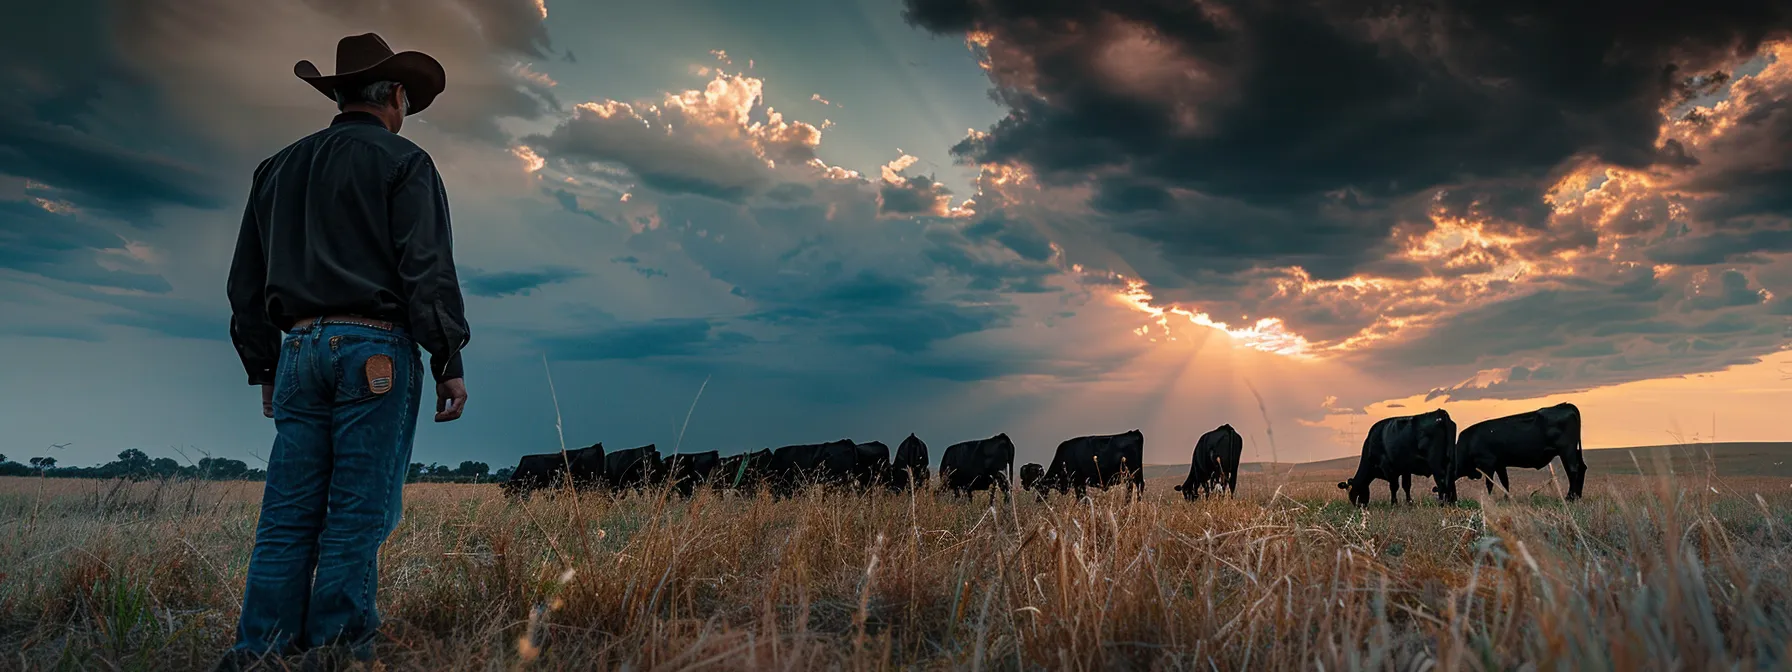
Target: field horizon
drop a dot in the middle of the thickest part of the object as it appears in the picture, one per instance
(1680, 571)
(1724, 458)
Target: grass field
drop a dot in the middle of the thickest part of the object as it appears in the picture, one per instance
(1647, 573)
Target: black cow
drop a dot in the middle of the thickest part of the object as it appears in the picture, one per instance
(1215, 463)
(1526, 441)
(689, 470)
(871, 464)
(909, 469)
(550, 470)
(793, 467)
(1095, 461)
(984, 464)
(742, 473)
(1031, 472)
(634, 468)
(1399, 448)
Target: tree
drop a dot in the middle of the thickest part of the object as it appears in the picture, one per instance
(131, 463)
(474, 471)
(222, 469)
(43, 463)
(415, 473)
(164, 467)
(503, 475)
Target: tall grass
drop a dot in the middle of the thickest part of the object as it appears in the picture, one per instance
(1645, 573)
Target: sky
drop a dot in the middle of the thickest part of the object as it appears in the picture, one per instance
(716, 225)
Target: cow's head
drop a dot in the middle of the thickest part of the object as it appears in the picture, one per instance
(1358, 490)
(1188, 490)
(1437, 440)
(1030, 475)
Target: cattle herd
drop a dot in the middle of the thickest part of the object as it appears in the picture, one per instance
(1395, 450)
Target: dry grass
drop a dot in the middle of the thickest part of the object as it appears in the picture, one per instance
(1646, 573)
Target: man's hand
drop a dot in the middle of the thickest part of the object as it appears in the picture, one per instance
(451, 399)
(267, 400)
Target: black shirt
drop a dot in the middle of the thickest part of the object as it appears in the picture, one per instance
(351, 220)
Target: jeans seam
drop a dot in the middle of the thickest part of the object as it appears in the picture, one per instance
(394, 485)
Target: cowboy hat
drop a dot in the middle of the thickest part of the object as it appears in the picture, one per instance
(364, 59)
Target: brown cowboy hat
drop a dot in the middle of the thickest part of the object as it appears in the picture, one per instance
(364, 59)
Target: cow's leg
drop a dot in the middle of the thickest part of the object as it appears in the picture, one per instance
(1488, 478)
(1505, 484)
(1394, 490)
(1406, 484)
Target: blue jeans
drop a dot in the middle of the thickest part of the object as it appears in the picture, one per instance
(335, 489)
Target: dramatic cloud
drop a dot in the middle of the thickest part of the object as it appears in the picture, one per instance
(48, 239)
(1573, 195)
(800, 256)
(701, 142)
(900, 194)
(497, 284)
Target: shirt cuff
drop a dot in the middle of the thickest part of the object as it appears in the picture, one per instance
(446, 371)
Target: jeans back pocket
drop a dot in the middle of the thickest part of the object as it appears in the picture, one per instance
(368, 368)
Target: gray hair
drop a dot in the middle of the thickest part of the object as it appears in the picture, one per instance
(372, 94)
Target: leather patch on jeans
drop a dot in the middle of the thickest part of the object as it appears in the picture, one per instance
(379, 374)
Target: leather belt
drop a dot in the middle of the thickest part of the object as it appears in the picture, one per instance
(343, 319)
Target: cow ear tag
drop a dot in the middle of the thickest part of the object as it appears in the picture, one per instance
(379, 374)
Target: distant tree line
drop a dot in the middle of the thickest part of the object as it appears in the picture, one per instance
(134, 464)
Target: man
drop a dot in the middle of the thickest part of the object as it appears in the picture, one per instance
(345, 246)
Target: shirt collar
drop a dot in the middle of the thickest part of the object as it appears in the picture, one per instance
(357, 118)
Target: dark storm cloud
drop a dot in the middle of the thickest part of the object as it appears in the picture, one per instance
(1022, 276)
(65, 111)
(94, 174)
(917, 195)
(1024, 240)
(1288, 119)
(1716, 248)
(1584, 334)
(64, 247)
(1731, 290)
(497, 284)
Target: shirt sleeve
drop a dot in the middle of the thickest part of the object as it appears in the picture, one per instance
(425, 249)
(253, 333)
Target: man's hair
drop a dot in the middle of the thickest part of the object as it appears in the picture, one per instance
(373, 94)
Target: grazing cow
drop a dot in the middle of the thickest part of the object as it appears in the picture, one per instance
(689, 470)
(984, 464)
(634, 468)
(1399, 448)
(1215, 463)
(1526, 441)
(550, 470)
(742, 473)
(1095, 461)
(793, 467)
(1031, 472)
(909, 469)
(871, 464)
